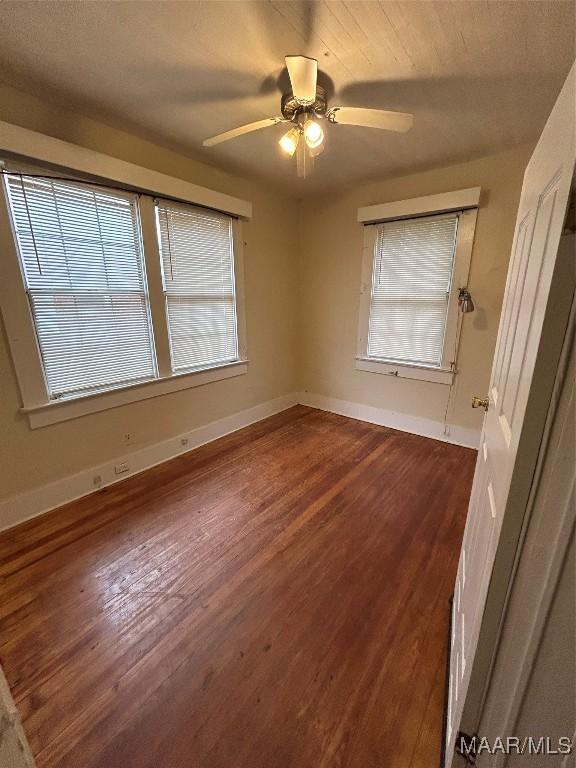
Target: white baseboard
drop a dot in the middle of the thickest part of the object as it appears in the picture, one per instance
(469, 438)
(18, 509)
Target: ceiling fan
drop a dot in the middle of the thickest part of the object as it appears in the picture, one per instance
(305, 107)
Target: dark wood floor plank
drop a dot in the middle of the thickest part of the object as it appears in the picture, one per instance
(276, 597)
(199, 557)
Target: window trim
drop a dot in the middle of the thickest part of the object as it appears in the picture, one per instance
(419, 207)
(445, 202)
(63, 410)
(36, 147)
(23, 342)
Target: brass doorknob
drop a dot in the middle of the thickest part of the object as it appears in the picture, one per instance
(480, 402)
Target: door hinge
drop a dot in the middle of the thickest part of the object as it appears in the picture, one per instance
(466, 747)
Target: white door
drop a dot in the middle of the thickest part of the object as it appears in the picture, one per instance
(541, 213)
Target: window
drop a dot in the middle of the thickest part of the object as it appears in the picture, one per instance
(83, 270)
(123, 296)
(413, 268)
(411, 276)
(198, 274)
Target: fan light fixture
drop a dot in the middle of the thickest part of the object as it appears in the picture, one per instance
(313, 134)
(303, 108)
(289, 141)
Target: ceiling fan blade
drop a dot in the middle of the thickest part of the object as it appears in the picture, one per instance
(303, 74)
(372, 118)
(248, 128)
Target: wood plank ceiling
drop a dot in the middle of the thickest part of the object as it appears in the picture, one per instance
(479, 76)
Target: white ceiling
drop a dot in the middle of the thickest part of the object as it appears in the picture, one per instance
(479, 76)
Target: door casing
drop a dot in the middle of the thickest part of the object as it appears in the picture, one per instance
(544, 184)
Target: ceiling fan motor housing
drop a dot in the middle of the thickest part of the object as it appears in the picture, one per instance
(291, 107)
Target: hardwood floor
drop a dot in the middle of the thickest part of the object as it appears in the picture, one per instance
(275, 598)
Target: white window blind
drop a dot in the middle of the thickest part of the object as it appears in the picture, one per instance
(81, 257)
(412, 274)
(197, 254)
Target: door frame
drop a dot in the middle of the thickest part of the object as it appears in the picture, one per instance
(524, 477)
(524, 483)
(514, 676)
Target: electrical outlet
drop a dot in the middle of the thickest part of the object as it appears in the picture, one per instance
(128, 438)
(184, 441)
(122, 467)
(97, 481)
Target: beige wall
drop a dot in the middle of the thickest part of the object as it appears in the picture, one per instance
(302, 293)
(329, 289)
(32, 458)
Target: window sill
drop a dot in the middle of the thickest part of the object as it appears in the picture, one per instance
(405, 370)
(63, 410)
